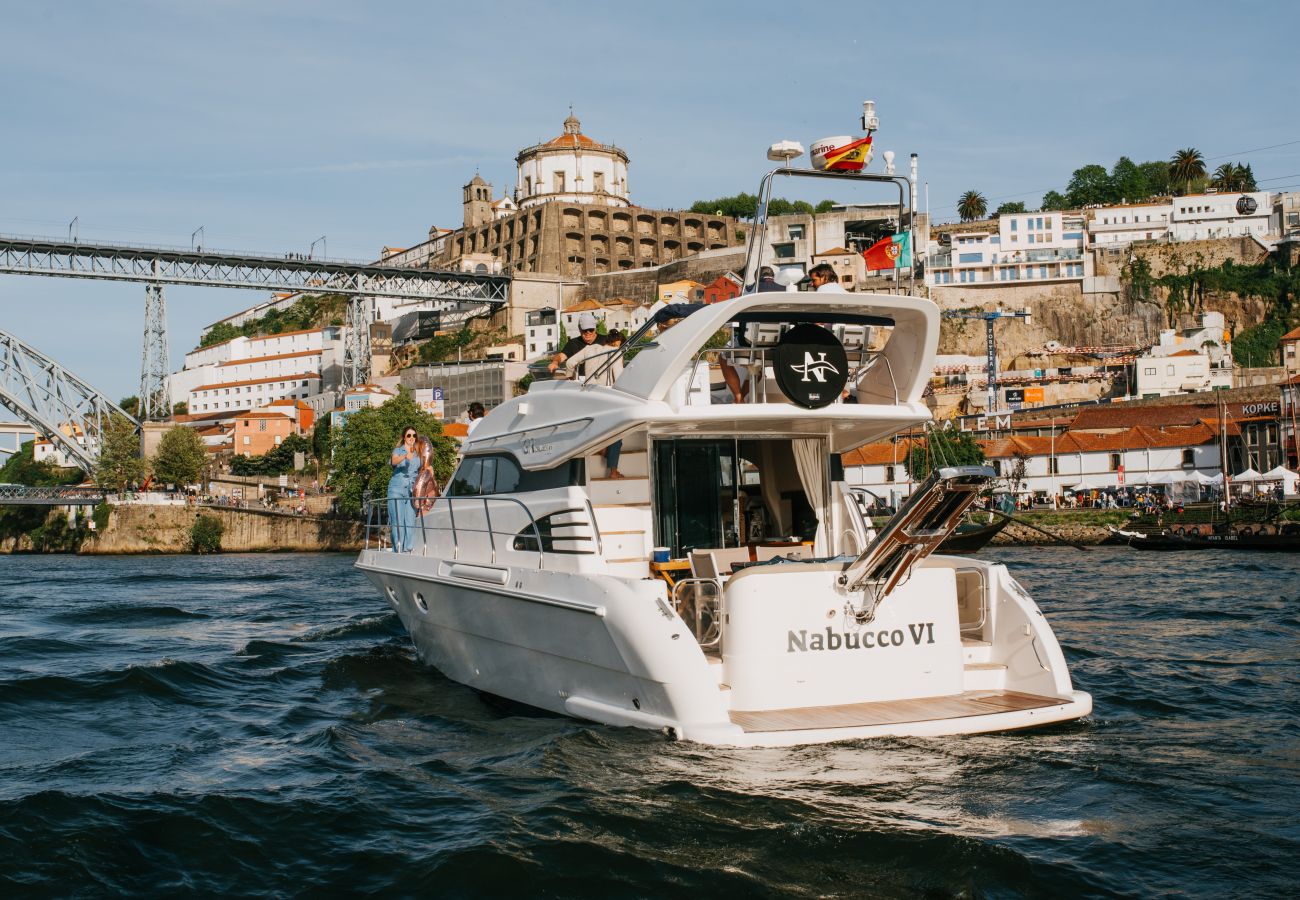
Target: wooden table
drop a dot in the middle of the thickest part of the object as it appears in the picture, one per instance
(667, 570)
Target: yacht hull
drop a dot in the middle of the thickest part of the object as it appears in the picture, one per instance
(612, 650)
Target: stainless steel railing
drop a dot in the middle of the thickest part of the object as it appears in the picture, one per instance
(379, 528)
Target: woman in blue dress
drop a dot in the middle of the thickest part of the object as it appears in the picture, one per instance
(401, 514)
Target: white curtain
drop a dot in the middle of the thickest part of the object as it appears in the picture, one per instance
(810, 460)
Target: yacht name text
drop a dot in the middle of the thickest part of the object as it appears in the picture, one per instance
(803, 642)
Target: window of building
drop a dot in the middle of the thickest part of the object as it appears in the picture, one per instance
(558, 182)
(1053, 465)
(598, 181)
(261, 426)
(247, 440)
(1115, 462)
(997, 467)
(1014, 223)
(970, 257)
(796, 232)
(1189, 458)
(1040, 224)
(889, 473)
(783, 251)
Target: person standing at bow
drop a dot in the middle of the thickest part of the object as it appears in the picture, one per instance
(405, 460)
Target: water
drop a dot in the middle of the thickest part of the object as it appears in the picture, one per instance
(259, 725)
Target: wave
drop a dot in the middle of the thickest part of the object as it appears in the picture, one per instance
(173, 680)
(127, 614)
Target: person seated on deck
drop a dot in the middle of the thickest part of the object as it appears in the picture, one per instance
(586, 337)
(767, 280)
(824, 280)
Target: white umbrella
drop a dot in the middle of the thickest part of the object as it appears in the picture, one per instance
(1247, 475)
(1202, 478)
(1216, 478)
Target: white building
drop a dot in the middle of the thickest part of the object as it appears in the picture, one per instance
(541, 333)
(1032, 247)
(1187, 361)
(571, 168)
(1112, 225)
(247, 373)
(1199, 217)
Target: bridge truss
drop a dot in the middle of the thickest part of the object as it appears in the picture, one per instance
(458, 295)
(54, 400)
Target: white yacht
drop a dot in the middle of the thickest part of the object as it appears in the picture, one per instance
(730, 588)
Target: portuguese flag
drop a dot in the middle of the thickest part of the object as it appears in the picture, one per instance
(890, 253)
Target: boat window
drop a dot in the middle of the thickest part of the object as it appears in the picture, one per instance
(500, 474)
(468, 478)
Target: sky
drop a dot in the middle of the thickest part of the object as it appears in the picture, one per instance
(272, 123)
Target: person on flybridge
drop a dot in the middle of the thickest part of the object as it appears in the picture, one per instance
(587, 336)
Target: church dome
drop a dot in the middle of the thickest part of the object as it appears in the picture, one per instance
(573, 136)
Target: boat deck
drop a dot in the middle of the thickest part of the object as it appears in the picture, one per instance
(890, 712)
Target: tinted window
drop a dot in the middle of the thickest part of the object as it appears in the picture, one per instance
(468, 478)
(507, 478)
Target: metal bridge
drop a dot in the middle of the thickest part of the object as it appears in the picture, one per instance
(37, 389)
(22, 495)
(52, 399)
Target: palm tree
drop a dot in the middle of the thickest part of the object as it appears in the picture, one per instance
(1225, 178)
(1246, 178)
(1186, 166)
(972, 206)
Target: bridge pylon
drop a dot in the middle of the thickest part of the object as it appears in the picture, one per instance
(154, 365)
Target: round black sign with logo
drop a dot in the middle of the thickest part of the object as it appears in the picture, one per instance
(1246, 206)
(811, 366)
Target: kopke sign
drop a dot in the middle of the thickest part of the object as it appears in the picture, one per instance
(430, 400)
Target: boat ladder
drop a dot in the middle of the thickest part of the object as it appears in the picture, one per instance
(918, 528)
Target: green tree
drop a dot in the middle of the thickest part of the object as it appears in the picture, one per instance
(1008, 208)
(320, 438)
(1128, 181)
(1186, 167)
(219, 334)
(824, 207)
(119, 461)
(1246, 178)
(130, 406)
(363, 448)
(22, 468)
(444, 346)
(1090, 185)
(180, 408)
(276, 461)
(741, 206)
(1054, 201)
(205, 534)
(180, 458)
(944, 447)
(972, 206)
(1156, 175)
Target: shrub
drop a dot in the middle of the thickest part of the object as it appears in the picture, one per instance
(205, 534)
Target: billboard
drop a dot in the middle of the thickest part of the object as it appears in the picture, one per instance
(431, 400)
(1015, 395)
(1033, 395)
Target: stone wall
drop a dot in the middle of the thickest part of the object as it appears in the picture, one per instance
(642, 284)
(1177, 257)
(166, 529)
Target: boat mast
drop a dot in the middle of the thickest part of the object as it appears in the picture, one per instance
(1223, 459)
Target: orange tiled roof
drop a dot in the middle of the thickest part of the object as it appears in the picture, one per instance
(456, 429)
(584, 306)
(885, 453)
(258, 359)
(836, 251)
(262, 415)
(1292, 335)
(1183, 353)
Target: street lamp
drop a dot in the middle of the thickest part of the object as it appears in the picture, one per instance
(325, 250)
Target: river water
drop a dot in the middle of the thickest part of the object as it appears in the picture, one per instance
(259, 725)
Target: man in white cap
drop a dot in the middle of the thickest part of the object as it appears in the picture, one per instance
(586, 337)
